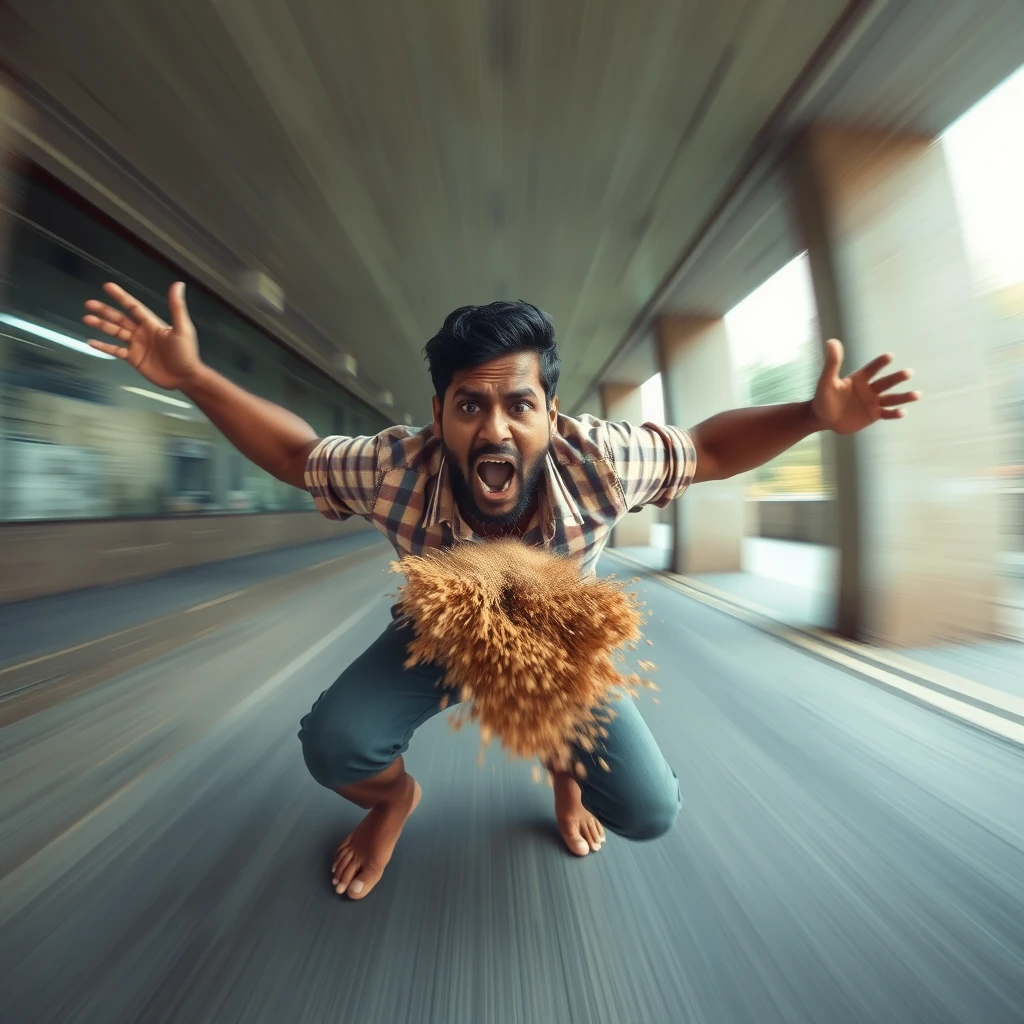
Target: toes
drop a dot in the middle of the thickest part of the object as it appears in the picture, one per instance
(575, 841)
(364, 882)
(343, 851)
(340, 864)
(346, 874)
(587, 837)
(589, 832)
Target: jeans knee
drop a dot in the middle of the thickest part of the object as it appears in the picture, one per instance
(651, 817)
(654, 820)
(333, 750)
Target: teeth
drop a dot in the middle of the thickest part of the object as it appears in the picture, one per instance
(497, 490)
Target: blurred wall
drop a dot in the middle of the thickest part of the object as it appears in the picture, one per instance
(84, 436)
(810, 519)
(54, 557)
(103, 477)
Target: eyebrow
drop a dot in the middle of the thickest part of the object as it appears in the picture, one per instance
(483, 396)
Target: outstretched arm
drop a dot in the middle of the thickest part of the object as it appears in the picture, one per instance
(741, 440)
(167, 355)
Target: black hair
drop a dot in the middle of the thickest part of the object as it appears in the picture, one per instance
(472, 335)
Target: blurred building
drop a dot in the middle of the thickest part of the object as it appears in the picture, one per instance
(649, 178)
(83, 436)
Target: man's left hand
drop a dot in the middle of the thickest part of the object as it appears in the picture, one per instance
(849, 404)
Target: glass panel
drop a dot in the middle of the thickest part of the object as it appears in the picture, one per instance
(985, 153)
(773, 335)
(83, 435)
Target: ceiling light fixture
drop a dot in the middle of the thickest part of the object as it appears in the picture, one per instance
(346, 363)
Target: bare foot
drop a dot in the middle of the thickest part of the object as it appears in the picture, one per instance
(365, 852)
(580, 830)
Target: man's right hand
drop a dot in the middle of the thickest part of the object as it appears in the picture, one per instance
(165, 354)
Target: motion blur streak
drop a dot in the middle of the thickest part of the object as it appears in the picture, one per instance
(700, 195)
(842, 851)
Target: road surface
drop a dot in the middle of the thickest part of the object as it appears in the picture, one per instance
(842, 855)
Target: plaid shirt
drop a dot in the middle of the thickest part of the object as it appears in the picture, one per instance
(595, 473)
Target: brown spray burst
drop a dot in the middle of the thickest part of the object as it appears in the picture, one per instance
(528, 645)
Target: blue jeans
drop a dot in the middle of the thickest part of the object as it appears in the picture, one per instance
(359, 726)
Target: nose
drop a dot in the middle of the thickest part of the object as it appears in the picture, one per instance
(494, 429)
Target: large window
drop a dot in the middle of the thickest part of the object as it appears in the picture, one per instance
(83, 435)
(773, 334)
(985, 152)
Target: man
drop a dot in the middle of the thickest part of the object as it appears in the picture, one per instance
(497, 461)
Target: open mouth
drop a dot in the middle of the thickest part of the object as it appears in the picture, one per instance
(496, 474)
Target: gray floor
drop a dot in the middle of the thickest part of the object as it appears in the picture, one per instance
(843, 855)
(793, 582)
(29, 628)
(999, 663)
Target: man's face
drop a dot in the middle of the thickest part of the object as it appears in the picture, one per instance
(496, 429)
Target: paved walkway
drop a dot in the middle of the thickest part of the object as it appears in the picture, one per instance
(843, 854)
(794, 582)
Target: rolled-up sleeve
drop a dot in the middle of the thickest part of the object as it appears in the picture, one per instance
(654, 463)
(342, 474)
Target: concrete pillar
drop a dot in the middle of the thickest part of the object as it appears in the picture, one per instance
(915, 503)
(622, 402)
(698, 379)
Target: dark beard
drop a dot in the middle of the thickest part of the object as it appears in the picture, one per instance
(463, 491)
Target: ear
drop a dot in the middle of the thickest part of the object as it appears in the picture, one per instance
(437, 416)
(553, 412)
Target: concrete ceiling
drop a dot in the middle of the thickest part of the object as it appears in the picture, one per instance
(388, 162)
(901, 66)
